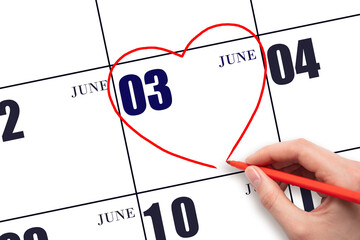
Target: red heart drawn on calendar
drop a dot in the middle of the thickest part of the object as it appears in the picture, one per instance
(181, 54)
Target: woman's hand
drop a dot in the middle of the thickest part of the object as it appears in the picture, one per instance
(334, 218)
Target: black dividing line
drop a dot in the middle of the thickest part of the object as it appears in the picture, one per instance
(121, 63)
(310, 24)
(290, 192)
(267, 81)
(158, 189)
(186, 183)
(118, 197)
(308, 203)
(307, 199)
(306, 194)
(268, 86)
(180, 51)
(140, 59)
(346, 150)
(57, 76)
(122, 126)
(65, 208)
(273, 110)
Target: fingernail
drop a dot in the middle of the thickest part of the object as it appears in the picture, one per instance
(253, 176)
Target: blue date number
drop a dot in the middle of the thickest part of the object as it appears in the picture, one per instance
(133, 95)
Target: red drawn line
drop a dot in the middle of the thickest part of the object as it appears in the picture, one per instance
(181, 56)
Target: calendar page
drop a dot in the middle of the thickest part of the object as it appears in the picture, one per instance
(117, 117)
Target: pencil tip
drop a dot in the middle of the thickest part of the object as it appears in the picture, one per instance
(228, 162)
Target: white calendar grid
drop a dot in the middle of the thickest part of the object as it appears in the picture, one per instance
(131, 195)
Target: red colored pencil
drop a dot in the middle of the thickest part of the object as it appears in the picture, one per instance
(320, 187)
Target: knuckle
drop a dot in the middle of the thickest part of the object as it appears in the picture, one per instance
(300, 147)
(301, 143)
(266, 149)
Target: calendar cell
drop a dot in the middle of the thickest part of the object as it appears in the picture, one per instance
(169, 25)
(229, 94)
(271, 15)
(58, 40)
(207, 210)
(71, 147)
(315, 107)
(82, 222)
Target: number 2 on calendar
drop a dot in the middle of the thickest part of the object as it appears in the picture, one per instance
(14, 112)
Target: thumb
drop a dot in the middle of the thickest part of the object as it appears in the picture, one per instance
(274, 199)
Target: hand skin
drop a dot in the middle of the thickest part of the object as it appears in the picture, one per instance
(334, 218)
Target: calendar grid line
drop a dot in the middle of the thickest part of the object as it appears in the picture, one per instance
(189, 49)
(142, 192)
(119, 197)
(53, 77)
(190, 182)
(66, 208)
(125, 62)
(310, 24)
(267, 80)
(270, 95)
(273, 109)
(290, 193)
(305, 193)
(347, 150)
(160, 55)
(121, 123)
